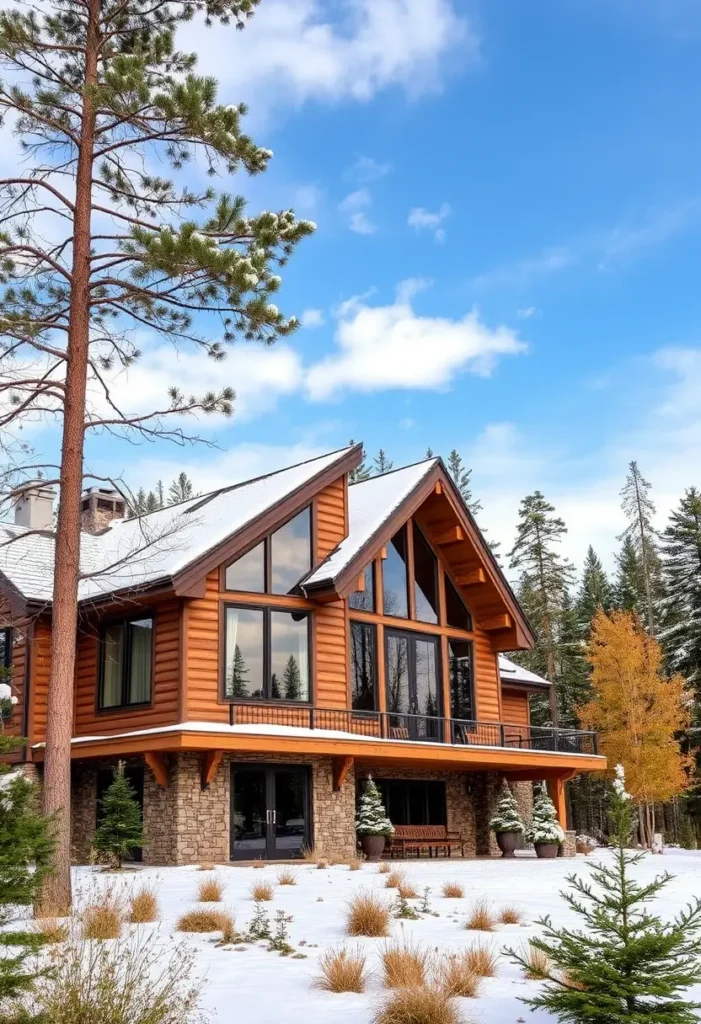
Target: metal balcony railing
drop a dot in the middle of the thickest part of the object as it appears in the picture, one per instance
(390, 725)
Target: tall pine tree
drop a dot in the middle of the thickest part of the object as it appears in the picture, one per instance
(629, 586)
(639, 510)
(681, 561)
(181, 489)
(361, 471)
(594, 592)
(461, 477)
(381, 463)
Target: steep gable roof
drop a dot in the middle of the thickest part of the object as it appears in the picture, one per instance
(510, 672)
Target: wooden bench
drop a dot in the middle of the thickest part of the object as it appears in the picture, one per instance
(415, 838)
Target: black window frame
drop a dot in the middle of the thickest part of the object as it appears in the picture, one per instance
(267, 557)
(414, 637)
(267, 610)
(473, 696)
(437, 809)
(126, 663)
(372, 568)
(408, 576)
(6, 661)
(448, 581)
(375, 682)
(415, 528)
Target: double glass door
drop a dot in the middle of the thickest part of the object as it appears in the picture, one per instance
(412, 685)
(269, 811)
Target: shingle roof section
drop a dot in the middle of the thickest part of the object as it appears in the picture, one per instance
(370, 504)
(510, 672)
(134, 552)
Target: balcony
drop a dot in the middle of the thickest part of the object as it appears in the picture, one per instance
(415, 728)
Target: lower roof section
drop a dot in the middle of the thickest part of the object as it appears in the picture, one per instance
(270, 740)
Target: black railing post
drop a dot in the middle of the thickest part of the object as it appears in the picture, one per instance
(502, 735)
(311, 717)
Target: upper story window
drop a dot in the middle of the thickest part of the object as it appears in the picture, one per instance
(425, 578)
(363, 660)
(6, 648)
(126, 659)
(266, 654)
(364, 600)
(456, 612)
(394, 577)
(278, 563)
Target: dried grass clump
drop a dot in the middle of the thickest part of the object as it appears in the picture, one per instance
(572, 981)
(204, 920)
(407, 891)
(538, 964)
(322, 864)
(482, 960)
(210, 890)
(481, 918)
(311, 856)
(456, 975)
(394, 879)
(258, 864)
(383, 868)
(510, 915)
(286, 877)
(367, 915)
(103, 920)
(143, 906)
(342, 970)
(52, 930)
(354, 863)
(262, 892)
(427, 1005)
(206, 866)
(453, 891)
(404, 966)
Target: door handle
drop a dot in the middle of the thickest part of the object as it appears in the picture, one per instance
(274, 817)
(268, 817)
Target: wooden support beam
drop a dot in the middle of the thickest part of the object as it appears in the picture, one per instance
(556, 791)
(438, 487)
(211, 759)
(360, 584)
(495, 622)
(472, 577)
(157, 763)
(341, 767)
(454, 535)
(383, 552)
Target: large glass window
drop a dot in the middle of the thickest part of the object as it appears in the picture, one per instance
(460, 659)
(425, 579)
(394, 577)
(456, 613)
(126, 654)
(362, 638)
(414, 802)
(364, 600)
(266, 655)
(412, 680)
(278, 563)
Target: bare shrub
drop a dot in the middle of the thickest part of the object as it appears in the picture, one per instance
(510, 915)
(52, 930)
(130, 981)
(453, 891)
(481, 918)
(482, 960)
(143, 906)
(427, 1005)
(262, 892)
(342, 970)
(456, 975)
(103, 920)
(286, 877)
(210, 890)
(404, 966)
(367, 915)
(203, 920)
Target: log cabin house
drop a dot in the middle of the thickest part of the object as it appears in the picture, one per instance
(252, 654)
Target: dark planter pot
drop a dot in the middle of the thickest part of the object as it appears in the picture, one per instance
(507, 842)
(546, 849)
(373, 846)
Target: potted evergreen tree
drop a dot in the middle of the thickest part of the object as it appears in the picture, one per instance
(506, 823)
(545, 831)
(120, 830)
(371, 823)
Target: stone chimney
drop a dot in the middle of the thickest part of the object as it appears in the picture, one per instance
(98, 507)
(34, 505)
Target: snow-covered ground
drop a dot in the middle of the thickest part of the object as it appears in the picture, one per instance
(261, 986)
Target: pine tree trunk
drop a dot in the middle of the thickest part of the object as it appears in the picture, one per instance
(551, 672)
(646, 565)
(56, 897)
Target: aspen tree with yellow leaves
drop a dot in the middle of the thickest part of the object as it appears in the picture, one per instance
(638, 712)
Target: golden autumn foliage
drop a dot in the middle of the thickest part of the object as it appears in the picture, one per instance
(637, 711)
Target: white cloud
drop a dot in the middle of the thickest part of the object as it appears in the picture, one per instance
(407, 423)
(527, 312)
(313, 318)
(292, 53)
(354, 209)
(366, 168)
(307, 198)
(423, 220)
(389, 347)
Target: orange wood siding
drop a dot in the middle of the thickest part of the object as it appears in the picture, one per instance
(20, 626)
(40, 670)
(203, 656)
(331, 656)
(487, 684)
(331, 517)
(515, 707)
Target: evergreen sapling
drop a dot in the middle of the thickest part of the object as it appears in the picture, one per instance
(544, 826)
(371, 819)
(120, 829)
(506, 817)
(626, 965)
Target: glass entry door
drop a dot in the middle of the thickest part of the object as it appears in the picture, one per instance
(269, 811)
(412, 685)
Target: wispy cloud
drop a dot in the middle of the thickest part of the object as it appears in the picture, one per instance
(354, 209)
(366, 169)
(313, 318)
(422, 219)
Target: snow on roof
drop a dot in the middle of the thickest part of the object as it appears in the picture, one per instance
(510, 672)
(370, 504)
(134, 552)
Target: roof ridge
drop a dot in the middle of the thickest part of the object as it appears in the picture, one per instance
(409, 465)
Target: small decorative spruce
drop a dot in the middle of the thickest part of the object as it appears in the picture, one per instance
(120, 829)
(626, 965)
(372, 819)
(259, 928)
(506, 817)
(544, 826)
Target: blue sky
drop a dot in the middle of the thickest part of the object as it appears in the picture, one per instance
(508, 200)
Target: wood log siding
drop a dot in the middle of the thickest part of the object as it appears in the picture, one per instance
(331, 512)
(515, 707)
(204, 656)
(40, 671)
(20, 627)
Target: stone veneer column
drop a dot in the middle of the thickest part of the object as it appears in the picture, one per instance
(569, 847)
(333, 812)
(159, 816)
(200, 817)
(83, 811)
(487, 785)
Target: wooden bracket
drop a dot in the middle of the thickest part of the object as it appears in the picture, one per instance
(360, 584)
(383, 552)
(341, 767)
(211, 760)
(157, 763)
(454, 535)
(438, 487)
(495, 622)
(471, 578)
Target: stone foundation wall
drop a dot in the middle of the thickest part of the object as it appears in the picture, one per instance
(569, 847)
